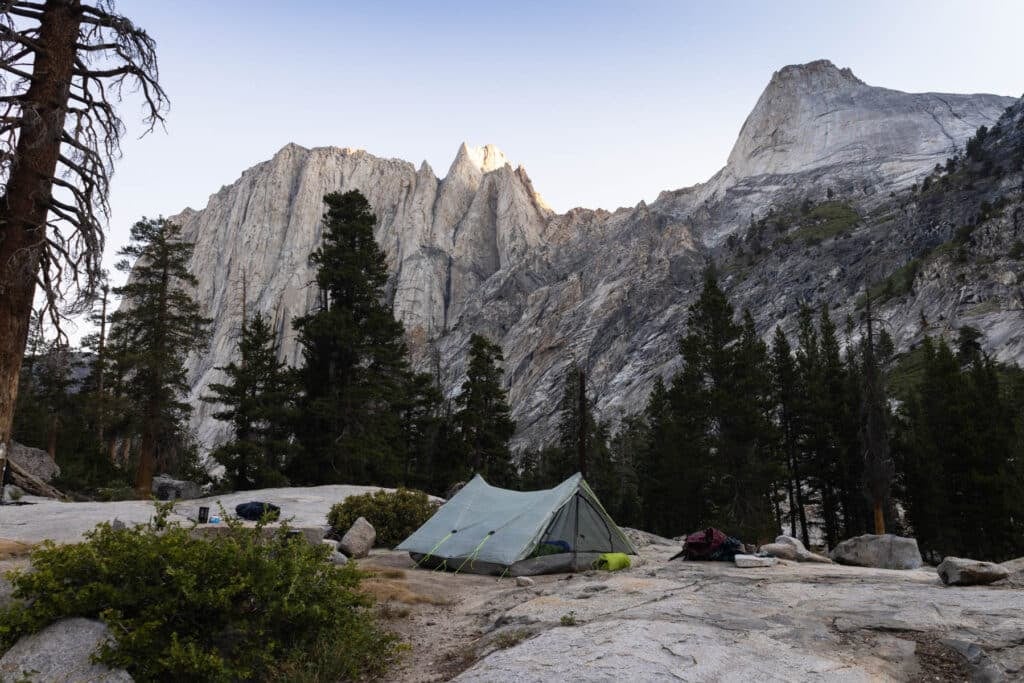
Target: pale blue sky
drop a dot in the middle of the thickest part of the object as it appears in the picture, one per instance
(604, 103)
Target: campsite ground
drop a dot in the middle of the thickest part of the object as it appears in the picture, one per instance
(657, 620)
(703, 621)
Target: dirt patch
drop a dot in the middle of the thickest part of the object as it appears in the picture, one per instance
(12, 550)
(442, 616)
(398, 590)
(938, 662)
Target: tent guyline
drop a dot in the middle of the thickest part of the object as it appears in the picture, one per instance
(486, 529)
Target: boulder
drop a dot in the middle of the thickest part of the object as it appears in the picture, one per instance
(166, 488)
(886, 551)
(35, 461)
(61, 652)
(959, 571)
(789, 548)
(13, 493)
(753, 561)
(1015, 568)
(359, 539)
(338, 558)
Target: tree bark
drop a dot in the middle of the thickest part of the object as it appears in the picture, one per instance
(879, 519)
(23, 208)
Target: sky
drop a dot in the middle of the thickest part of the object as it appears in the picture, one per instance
(604, 103)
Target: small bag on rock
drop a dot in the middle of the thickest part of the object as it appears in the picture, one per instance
(255, 510)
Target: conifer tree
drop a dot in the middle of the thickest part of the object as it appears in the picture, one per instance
(483, 416)
(257, 400)
(786, 386)
(717, 441)
(959, 463)
(581, 436)
(96, 380)
(155, 329)
(355, 379)
(879, 469)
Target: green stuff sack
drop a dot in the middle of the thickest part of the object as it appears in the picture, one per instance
(612, 561)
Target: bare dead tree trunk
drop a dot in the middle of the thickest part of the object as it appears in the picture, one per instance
(25, 205)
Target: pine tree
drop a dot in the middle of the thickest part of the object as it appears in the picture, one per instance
(257, 400)
(355, 378)
(583, 446)
(664, 481)
(959, 464)
(786, 386)
(95, 384)
(879, 469)
(712, 450)
(483, 417)
(155, 329)
(746, 441)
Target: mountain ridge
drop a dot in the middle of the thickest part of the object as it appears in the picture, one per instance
(480, 251)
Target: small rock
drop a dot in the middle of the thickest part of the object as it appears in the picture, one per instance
(330, 543)
(885, 551)
(338, 558)
(118, 525)
(1016, 570)
(359, 539)
(959, 571)
(524, 581)
(166, 488)
(13, 493)
(789, 548)
(61, 652)
(752, 561)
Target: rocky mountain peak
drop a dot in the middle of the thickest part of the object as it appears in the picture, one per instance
(818, 76)
(818, 116)
(484, 159)
(480, 251)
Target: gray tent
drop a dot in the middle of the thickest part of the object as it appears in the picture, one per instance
(488, 530)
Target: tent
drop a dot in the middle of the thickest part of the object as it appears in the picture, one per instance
(488, 530)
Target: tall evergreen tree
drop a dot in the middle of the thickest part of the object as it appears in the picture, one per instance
(257, 400)
(155, 329)
(355, 378)
(786, 386)
(713, 451)
(584, 444)
(483, 417)
(959, 465)
(96, 380)
(879, 468)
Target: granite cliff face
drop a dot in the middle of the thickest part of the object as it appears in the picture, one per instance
(480, 251)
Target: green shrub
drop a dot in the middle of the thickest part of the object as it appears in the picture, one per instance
(394, 515)
(227, 608)
(825, 221)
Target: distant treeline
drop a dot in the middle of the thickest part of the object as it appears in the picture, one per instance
(824, 432)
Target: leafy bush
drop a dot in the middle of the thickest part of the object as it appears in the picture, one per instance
(183, 607)
(394, 515)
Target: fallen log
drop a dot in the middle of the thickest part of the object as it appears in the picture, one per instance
(30, 482)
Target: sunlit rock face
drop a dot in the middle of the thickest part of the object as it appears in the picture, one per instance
(479, 251)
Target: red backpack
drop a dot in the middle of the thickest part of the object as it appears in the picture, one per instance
(710, 544)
